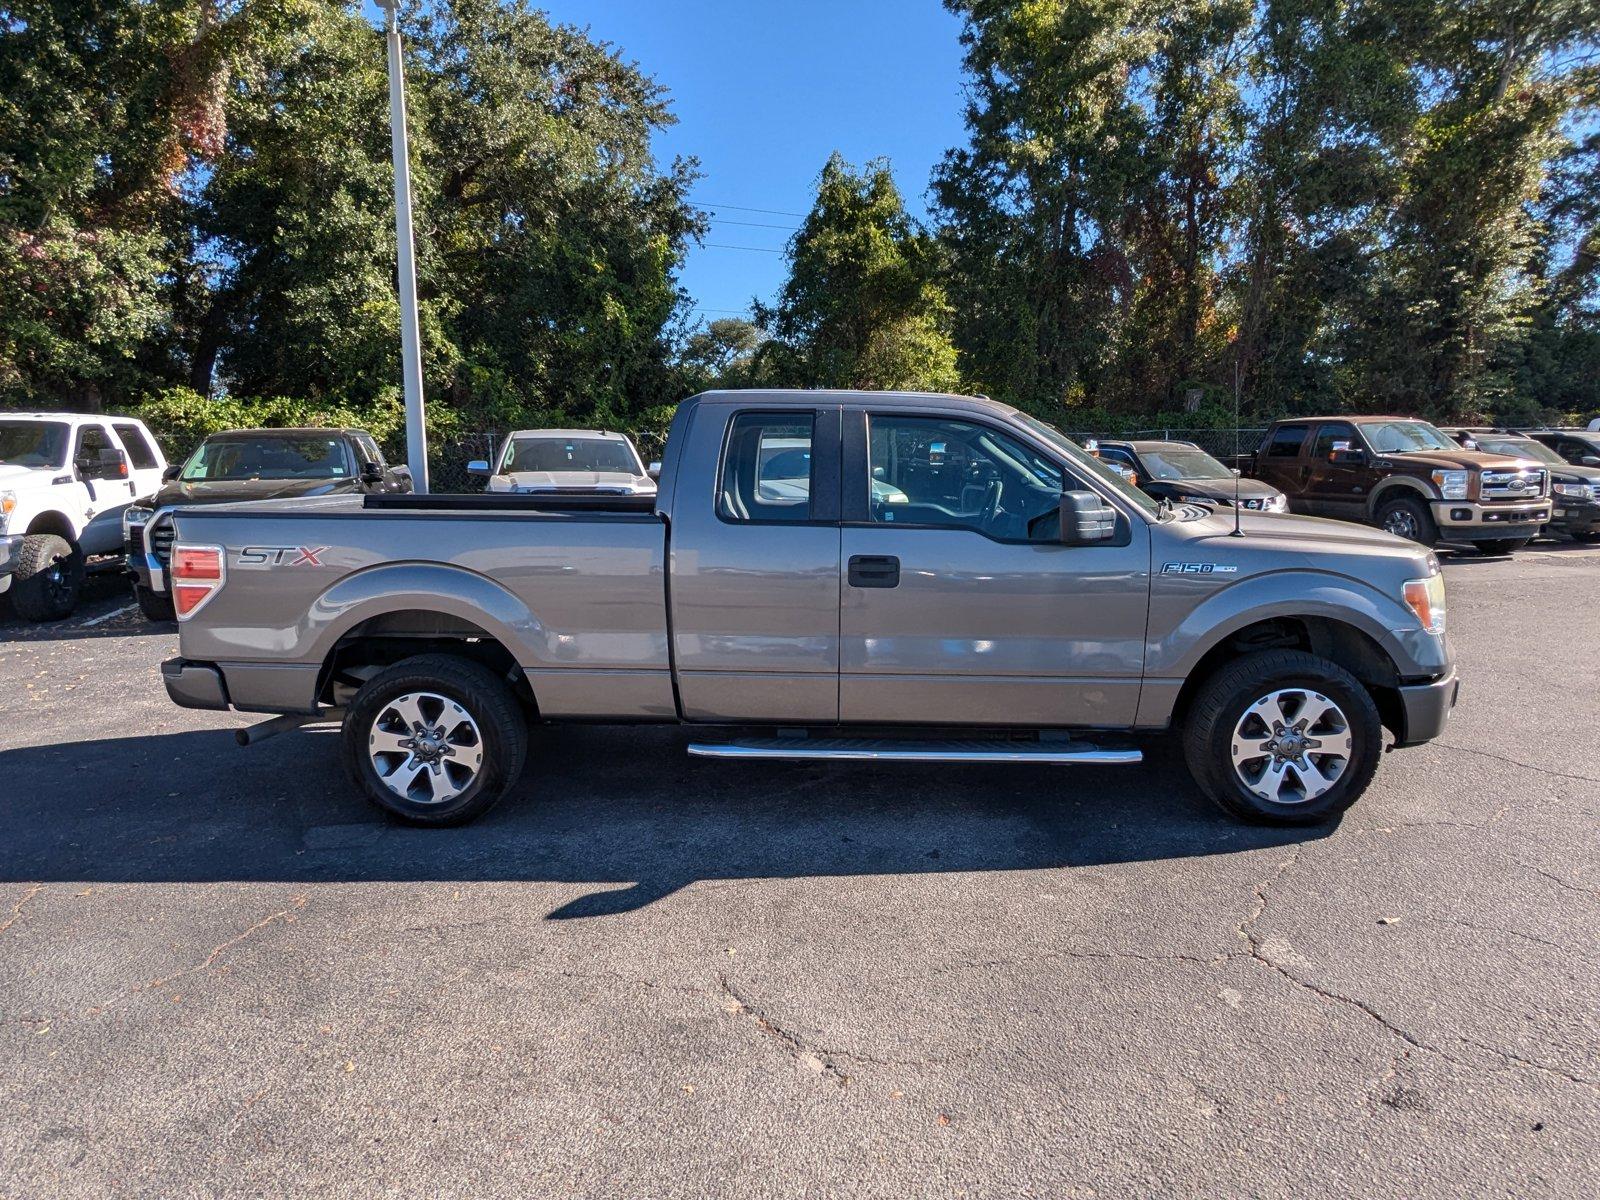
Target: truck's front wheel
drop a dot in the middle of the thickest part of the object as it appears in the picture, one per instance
(435, 739)
(1283, 737)
(1410, 519)
(47, 578)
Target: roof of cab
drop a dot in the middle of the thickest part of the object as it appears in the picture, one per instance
(608, 435)
(790, 397)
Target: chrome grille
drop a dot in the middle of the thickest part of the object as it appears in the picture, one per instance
(1529, 484)
(158, 537)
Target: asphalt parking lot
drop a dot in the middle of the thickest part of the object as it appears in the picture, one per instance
(221, 974)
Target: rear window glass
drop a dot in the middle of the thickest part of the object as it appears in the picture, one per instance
(767, 468)
(1286, 441)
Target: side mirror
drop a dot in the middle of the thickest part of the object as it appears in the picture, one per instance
(478, 467)
(1348, 457)
(1086, 519)
(371, 472)
(1591, 460)
(172, 472)
(654, 471)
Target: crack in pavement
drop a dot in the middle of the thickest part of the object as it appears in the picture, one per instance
(16, 909)
(1556, 879)
(209, 960)
(1526, 766)
(1259, 952)
(813, 1060)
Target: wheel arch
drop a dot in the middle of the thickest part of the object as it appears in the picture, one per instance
(1393, 487)
(53, 520)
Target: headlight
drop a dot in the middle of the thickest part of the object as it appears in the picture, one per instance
(132, 517)
(1425, 597)
(1278, 503)
(8, 505)
(1573, 491)
(1452, 485)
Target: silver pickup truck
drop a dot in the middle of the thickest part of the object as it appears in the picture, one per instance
(842, 575)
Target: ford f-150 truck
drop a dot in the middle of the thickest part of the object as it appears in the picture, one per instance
(1405, 476)
(945, 579)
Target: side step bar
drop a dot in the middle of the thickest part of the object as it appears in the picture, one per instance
(933, 751)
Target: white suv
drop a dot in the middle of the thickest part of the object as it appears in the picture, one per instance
(65, 479)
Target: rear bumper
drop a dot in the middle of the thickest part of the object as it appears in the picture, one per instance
(1425, 708)
(1465, 520)
(194, 684)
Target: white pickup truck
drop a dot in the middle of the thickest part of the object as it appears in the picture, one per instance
(65, 479)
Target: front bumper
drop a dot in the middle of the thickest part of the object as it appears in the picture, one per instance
(9, 546)
(194, 684)
(146, 569)
(1425, 708)
(1577, 516)
(1467, 520)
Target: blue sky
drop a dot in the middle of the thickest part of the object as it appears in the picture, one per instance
(765, 91)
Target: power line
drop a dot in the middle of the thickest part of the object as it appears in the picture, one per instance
(771, 212)
(751, 224)
(752, 249)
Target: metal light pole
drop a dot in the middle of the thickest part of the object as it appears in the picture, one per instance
(410, 342)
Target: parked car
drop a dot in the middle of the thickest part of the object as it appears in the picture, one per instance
(1574, 490)
(1580, 447)
(249, 464)
(567, 460)
(1021, 604)
(1406, 477)
(65, 480)
(1184, 473)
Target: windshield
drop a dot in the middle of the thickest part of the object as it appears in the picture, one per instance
(1086, 464)
(1519, 448)
(33, 443)
(570, 454)
(1182, 462)
(1405, 437)
(237, 459)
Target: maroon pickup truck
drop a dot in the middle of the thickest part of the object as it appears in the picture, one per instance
(1404, 476)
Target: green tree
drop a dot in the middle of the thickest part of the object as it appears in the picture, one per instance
(720, 355)
(861, 307)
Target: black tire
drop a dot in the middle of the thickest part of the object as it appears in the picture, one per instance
(500, 725)
(1221, 705)
(1587, 536)
(1409, 518)
(47, 579)
(1497, 547)
(154, 605)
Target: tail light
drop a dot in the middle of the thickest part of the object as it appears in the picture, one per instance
(198, 573)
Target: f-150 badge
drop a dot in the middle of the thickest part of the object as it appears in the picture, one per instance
(1198, 569)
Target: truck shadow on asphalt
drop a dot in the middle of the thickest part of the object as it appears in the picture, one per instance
(597, 806)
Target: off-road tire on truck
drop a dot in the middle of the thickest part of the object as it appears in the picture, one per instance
(47, 579)
(1240, 705)
(1409, 518)
(1498, 547)
(444, 723)
(154, 605)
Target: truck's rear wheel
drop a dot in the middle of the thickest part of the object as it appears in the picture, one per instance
(1410, 519)
(1283, 737)
(47, 578)
(156, 606)
(435, 739)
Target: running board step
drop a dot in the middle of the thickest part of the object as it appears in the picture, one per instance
(897, 750)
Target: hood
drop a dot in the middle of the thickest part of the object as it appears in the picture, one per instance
(1288, 533)
(14, 475)
(584, 481)
(1459, 460)
(224, 490)
(1217, 489)
(1571, 473)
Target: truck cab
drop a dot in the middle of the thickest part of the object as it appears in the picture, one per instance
(65, 481)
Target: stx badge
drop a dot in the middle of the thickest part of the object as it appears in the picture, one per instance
(282, 556)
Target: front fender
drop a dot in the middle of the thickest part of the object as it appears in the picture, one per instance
(1398, 485)
(1176, 647)
(421, 587)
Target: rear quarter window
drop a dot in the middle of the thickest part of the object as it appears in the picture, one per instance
(1286, 441)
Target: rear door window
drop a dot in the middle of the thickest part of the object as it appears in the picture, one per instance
(768, 471)
(1286, 441)
(140, 453)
